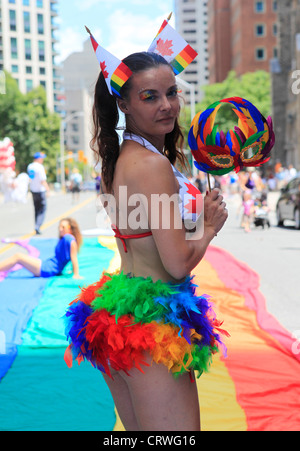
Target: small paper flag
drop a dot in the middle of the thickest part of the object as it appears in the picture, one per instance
(115, 72)
(171, 46)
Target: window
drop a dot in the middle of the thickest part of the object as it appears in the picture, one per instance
(260, 30)
(12, 20)
(26, 16)
(260, 54)
(42, 71)
(26, 2)
(260, 7)
(28, 55)
(14, 48)
(39, 3)
(29, 85)
(28, 70)
(41, 51)
(40, 19)
(15, 69)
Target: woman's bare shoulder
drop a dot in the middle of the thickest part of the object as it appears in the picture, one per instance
(143, 166)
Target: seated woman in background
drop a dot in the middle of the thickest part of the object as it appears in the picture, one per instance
(66, 250)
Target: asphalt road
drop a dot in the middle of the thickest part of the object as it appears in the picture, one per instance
(273, 253)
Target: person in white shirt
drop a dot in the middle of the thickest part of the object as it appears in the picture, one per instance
(39, 188)
(76, 180)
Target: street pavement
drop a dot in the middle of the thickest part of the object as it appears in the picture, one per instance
(272, 253)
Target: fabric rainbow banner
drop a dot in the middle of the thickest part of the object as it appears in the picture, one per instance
(257, 388)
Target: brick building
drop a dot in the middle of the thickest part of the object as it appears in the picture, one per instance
(219, 40)
(242, 36)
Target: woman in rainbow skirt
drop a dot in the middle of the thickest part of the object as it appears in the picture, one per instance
(147, 328)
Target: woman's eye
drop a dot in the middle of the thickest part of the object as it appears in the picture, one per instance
(173, 93)
(147, 96)
(150, 98)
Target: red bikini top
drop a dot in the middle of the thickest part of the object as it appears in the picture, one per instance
(128, 237)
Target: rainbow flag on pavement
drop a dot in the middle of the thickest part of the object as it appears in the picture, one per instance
(256, 388)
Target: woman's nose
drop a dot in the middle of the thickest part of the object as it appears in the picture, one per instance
(165, 104)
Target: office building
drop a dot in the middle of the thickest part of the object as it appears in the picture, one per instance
(242, 36)
(192, 23)
(27, 45)
(80, 71)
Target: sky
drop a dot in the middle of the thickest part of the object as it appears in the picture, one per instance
(120, 26)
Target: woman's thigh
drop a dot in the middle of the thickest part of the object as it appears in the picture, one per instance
(122, 398)
(161, 402)
(31, 263)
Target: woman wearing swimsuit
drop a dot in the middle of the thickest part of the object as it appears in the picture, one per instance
(135, 326)
(66, 250)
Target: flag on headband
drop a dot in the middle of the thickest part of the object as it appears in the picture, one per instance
(171, 46)
(115, 72)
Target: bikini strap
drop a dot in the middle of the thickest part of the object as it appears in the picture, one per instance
(128, 237)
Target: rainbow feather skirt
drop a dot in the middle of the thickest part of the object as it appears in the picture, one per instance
(115, 321)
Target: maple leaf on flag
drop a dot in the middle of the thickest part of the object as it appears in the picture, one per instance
(165, 47)
(103, 67)
(195, 204)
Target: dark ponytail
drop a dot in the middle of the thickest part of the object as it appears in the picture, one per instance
(105, 141)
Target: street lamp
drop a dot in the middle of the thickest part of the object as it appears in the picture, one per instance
(62, 145)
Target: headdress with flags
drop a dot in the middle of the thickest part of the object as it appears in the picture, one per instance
(167, 43)
(115, 72)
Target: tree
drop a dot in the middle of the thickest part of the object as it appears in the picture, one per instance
(253, 86)
(26, 120)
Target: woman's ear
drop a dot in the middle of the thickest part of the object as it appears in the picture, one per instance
(122, 104)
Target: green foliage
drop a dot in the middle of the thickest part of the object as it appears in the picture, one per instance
(253, 86)
(26, 120)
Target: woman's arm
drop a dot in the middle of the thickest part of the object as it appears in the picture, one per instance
(178, 255)
(74, 259)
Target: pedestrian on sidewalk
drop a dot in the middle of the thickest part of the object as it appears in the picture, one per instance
(39, 189)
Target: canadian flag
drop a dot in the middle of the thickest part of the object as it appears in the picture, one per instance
(169, 44)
